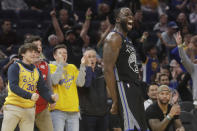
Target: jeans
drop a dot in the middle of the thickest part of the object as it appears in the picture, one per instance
(94, 123)
(69, 120)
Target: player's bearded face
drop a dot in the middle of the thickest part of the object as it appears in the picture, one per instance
(126, 22)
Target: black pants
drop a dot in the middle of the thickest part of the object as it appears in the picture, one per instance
(94, 123)
(131, 105)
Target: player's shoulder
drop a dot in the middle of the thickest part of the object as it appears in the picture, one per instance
(113, 36)
(113, 39)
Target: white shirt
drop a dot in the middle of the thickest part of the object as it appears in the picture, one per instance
(147, 103)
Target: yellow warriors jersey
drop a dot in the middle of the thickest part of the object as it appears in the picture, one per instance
(28, 82)
(66, 89)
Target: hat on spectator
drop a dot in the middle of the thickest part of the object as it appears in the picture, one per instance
(172, 24)
(163, 88)
(70, 31)
(13, 56)
(52, 36)
(173, 63)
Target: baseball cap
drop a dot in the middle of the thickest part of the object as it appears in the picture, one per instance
(163, 88)
(172, 24)
(70, 31)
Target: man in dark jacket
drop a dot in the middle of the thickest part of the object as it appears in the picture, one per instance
(93, 96)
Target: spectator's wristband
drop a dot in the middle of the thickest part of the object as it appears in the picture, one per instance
(168, 117)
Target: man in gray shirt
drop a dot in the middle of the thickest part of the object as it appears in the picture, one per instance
(187, 63)
(167, 38)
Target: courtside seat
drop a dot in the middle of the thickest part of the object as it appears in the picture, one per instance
(188, 121)
(186, 106)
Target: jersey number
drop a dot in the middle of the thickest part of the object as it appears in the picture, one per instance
(30, 87)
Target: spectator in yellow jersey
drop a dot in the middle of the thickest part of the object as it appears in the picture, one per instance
(23, 81)
(64, 79)
(43, 119)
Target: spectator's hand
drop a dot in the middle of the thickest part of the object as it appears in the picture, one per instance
(178, 38)
(34, 97)
(55, 97)
(76, 17)
(144, 37)
(85, 61)
(175, 110)
(175, 97)
(53, 13)
(89, 12)
(2, 55)
(9, 48)
(145, 34)
(52, 106)
(180, 129)
(60, 59)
